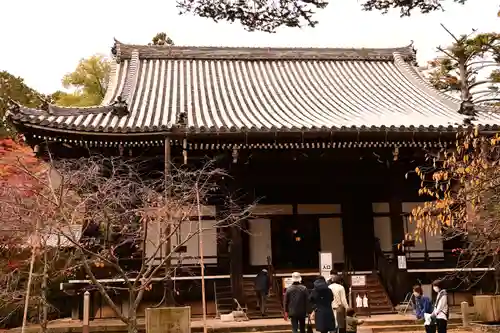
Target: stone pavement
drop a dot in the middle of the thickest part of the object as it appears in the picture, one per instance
(377, 323)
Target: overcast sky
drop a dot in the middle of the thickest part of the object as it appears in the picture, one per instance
(42, 40)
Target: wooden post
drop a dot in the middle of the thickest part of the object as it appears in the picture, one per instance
(236, 268)
(202, 261)
(464, 306)
(75, 309)
(400, 278)
(236, 248)
(168, 243)
(86, 312)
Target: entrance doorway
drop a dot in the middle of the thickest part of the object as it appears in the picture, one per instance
(359, 235)
(295, 242)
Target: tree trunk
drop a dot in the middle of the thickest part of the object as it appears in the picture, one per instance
(30, 281)
(132, 325)
(462, 70)
(45, 305)
(132, 319)
(132, 311)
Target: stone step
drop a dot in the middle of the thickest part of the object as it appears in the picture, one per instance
(286, 327)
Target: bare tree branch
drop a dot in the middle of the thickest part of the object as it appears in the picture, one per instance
(113, 210)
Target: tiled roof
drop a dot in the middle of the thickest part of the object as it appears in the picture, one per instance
(261, 89)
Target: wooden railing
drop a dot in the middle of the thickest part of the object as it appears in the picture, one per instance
(388, 273)
(272, 277)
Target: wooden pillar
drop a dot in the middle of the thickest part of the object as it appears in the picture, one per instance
(397, 194)
(168, 246)
(235, 237)
(75, 307)
(236, 266)
(223, 260)
(395, 206)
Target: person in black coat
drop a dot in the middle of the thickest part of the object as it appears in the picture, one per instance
(296, 303)
(321, 298)
(261, 290)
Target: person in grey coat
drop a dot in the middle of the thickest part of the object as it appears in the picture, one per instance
(321, 299)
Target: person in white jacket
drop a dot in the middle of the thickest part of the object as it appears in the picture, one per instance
(339, 303)
(441, 310)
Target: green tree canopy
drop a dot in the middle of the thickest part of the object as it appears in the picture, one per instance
(89, 82)
(161, 38)
(470, 66)
(268, 15)
(13, 88)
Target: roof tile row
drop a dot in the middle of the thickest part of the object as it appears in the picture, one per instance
(220, 90)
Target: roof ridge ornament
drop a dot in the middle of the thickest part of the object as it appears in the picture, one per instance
(13, 106)
(413, 52)
(120, 107)
(115, 50)
(182, 119)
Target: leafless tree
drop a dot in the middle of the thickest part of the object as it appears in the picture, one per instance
(113, 211)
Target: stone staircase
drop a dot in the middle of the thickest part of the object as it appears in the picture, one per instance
(378, 300)
(274, 306)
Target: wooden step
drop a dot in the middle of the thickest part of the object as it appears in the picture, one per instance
(378, 299)
(274, 308)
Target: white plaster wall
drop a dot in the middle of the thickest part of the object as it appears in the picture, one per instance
(331, 237)
(210, 241)
(192, 254)
(187, 229)
(152, 241)
(260, 241)
(434, 242)
(382, 229)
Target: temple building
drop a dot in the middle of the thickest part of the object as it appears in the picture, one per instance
(323, 139)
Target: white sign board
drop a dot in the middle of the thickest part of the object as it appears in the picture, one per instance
(325, 264)
(287, 282)
(358, 281)
(402, 262)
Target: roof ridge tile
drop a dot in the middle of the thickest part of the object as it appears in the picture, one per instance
(125, 51)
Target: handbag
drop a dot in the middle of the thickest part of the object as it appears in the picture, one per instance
(309, 326)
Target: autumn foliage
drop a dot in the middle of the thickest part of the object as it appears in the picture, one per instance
(20, 177)
(464, 186)
(18, 163)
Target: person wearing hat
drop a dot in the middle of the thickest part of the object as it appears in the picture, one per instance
(296, 303)
(261, 290)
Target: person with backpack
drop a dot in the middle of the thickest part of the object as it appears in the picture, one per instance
(441, 310)
(296, 303)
